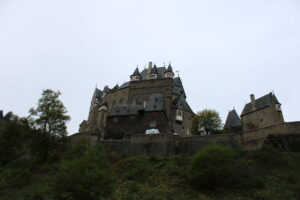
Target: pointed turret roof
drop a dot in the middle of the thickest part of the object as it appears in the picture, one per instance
(97, 93)
(154, 70)
(136, 72)
(169, 68)
(233, 120)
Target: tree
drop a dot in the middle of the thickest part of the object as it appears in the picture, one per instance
(49, 119)
(50, 114)
(208, 121)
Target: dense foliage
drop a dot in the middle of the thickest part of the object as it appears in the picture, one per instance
(206, 122)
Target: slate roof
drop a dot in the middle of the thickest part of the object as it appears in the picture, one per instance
(154, 70)
(98, 93)
(181, 103)
(125, 110)
(233, 120)
(155, 103)
(169, 68)
(160, 73)
(178, 87)
(136, 72)
(261, 102)
(124, 85)
(106, 89)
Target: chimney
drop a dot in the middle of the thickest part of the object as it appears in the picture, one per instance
(149, 70)
(253, 102)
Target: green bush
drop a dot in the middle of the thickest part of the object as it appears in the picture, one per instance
(88, 177)
(213, 167)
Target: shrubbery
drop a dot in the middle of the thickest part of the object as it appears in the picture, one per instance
(214, 167)
(86, 177)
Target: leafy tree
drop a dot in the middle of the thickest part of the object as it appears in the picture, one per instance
(208, 121)
(50, 114)
(49, 119)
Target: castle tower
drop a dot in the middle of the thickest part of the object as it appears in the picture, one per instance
(169, 73)
(136, 76)
(154, 73)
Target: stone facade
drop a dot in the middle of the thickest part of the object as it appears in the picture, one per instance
(259, 113)
(285, 136)
(262, 112)
(152, 99)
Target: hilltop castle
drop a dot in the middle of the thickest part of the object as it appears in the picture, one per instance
(153, 99)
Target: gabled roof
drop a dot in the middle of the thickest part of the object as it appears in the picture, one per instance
(233, 120)
(261, 102)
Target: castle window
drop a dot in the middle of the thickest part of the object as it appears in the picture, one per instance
(121, 101)
(179, 115)
(132, 118)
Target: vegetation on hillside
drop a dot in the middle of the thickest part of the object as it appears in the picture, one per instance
(37, 164)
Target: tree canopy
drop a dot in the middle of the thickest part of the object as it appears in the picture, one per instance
(207, 121)
(50, 115)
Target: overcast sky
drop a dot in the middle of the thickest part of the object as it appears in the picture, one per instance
(224, 50)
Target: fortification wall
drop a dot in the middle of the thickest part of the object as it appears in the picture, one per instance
(255, 139)
(168, 144)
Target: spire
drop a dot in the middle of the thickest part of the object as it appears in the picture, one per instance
(169, 68)
(154, 70)
(136, 72)
(169, 73)
(136, 76)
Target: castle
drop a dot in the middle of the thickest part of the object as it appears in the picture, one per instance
(153, 99)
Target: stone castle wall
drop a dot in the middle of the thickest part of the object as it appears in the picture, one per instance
(168, 144)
